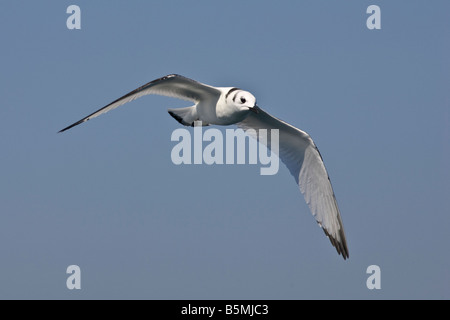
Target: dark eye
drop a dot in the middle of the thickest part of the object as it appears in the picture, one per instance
(243, 100)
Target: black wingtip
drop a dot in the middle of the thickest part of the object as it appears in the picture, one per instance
(72, 125)
(340, 246)
(176, 117)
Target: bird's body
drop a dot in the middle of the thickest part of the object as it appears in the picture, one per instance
(220, 113)
(230, 105)
(216, 110)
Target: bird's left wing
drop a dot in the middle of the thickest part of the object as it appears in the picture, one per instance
(173, 85)
(299, 153)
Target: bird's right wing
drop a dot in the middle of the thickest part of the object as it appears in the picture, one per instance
(299, 153)
(173, 85)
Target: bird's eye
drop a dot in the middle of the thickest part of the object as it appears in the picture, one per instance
(243, 100)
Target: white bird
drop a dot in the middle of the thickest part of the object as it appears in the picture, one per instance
(229, 105)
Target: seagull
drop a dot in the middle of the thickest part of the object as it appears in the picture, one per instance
(233, 106)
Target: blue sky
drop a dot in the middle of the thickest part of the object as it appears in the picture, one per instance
(106, 196)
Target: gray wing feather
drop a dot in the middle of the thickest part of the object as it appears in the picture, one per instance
(300, 155)
(173, 85)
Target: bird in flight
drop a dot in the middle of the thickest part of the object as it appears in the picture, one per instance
(230, 105)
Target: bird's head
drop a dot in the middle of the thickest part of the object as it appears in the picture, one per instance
(241, 100)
